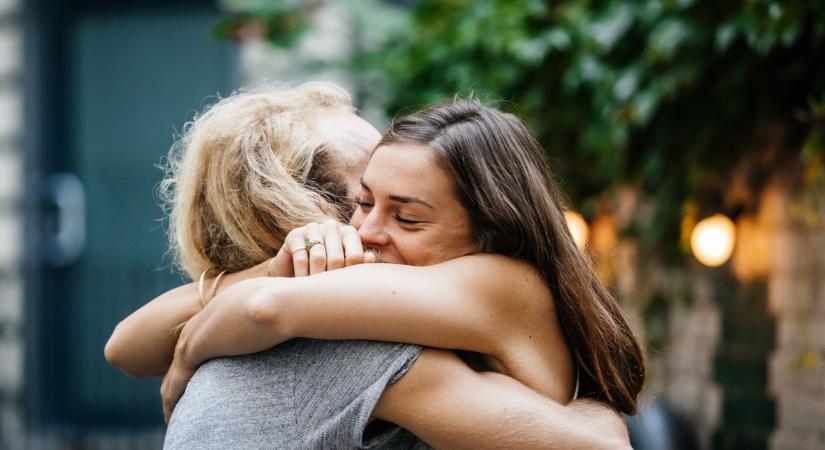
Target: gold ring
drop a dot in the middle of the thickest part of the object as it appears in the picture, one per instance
(299, 249)
(309, 244)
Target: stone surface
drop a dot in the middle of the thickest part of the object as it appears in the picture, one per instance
(797, 298)
(9, 6)
(11, 370)
(11, 50)
(11, 114)
(11, 234)
(791, 439)
(11, 177)
(11, 300)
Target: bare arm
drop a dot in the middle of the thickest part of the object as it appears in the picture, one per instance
(143, 343)
(467, 303)
(450, 406)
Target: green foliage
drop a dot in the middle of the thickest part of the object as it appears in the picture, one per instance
(283, 23)
(665, 95)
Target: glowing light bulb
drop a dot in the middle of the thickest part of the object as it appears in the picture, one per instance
(712, 240)
(578, 228)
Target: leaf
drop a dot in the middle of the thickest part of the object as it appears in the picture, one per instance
(666, 38)
(607, 31)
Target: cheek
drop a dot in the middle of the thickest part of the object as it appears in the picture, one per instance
(417, 251)
(435, 247)
(457, 241)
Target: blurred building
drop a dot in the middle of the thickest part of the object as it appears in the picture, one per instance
(91, 93)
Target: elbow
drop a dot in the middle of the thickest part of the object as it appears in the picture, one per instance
(116, 355)
(265, 310)
(113, 351)
(110, 352)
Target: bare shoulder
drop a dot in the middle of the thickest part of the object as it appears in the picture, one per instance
(510, 282)
(486, 264)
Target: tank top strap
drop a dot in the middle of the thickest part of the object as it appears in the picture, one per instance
(576, 390)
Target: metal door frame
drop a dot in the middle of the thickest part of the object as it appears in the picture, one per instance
(46, 24)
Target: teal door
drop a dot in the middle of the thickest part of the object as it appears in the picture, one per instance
(127, 76)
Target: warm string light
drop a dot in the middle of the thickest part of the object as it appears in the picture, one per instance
(712, 240)
(578, 228)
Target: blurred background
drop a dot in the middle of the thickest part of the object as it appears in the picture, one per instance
(688, 135)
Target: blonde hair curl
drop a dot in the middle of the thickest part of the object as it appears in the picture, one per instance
(246, 171)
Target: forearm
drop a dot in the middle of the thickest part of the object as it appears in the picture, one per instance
(231, 324)
(142, 344)
(449, 406)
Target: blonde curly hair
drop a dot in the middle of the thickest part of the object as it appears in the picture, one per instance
(246, 171)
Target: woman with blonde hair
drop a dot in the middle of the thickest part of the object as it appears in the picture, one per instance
(435, 374)
(248, 170)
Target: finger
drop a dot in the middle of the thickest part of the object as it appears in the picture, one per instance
(317, 251)
(168, 403)
(353, 250)
(332, 245)
(370, 256)
(167, 408)
(175, 389)
(167, 411)
(294, 244)
(282, 266)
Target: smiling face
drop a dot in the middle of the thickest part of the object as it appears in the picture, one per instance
(407, 208)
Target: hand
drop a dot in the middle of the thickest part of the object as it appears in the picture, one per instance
(333, 245)
(222, 328)
(175, 382)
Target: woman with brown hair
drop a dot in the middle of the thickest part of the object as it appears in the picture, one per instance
(462, 191)
(258, 164)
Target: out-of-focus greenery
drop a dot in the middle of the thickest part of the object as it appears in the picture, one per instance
(283, 23)
(668, 96)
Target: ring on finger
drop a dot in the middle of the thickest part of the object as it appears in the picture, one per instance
(299, 249)
(308, 244)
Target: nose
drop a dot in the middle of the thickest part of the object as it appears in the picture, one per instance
(371, 229)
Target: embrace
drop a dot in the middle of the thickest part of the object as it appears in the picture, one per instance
(351, 290)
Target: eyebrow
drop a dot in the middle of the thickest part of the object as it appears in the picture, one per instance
(400, 198)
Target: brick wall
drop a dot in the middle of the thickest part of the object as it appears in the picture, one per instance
(685, 377)
(796, 296)
(11, 219)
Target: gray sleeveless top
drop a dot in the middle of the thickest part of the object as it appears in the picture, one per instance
(302, 394)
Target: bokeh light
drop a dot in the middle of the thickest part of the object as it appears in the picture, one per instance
(578, 228)
(712, 240)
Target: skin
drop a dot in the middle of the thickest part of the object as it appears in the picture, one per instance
(505, 411)
(142, 344)
(409, 212)
(403, 212)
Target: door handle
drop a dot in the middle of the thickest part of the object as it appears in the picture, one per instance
(64, 226)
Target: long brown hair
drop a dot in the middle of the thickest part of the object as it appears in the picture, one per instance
(516, 209)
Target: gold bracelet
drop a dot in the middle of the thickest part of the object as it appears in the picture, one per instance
(214, 289)
(200, 287)
(269, 267)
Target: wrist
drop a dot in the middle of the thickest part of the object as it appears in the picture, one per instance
(184, 354)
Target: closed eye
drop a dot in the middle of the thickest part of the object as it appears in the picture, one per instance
(363, 203)
(407, 221)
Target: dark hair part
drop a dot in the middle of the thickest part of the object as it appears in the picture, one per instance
(516, 209)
